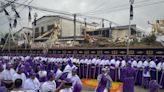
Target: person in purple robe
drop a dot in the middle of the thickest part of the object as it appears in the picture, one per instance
(162, 75)
(146, 77)
(75, 80)
(104, 81)
(128, 78)
(153, 71)
(113, 69)
(153, 86)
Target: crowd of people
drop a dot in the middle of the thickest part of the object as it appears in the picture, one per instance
(63, 73)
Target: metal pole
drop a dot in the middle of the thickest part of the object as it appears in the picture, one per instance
(128, 37)
(102, 27)
(9, 40)
(85, 27)
(74, 27)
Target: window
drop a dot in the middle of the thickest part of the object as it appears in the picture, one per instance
(36, 32)
(42, 30)
(49, 27)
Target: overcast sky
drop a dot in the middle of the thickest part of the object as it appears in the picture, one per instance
(114, 10)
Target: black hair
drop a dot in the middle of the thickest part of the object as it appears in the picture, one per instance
(8, 84)
(18, 83)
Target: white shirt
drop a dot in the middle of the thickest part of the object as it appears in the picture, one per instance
(117, 63)
(93, 61)
(8, 74)
(145, 63)
(147, 74)
(123, 63)
(42, 73)
(48, 86)
(32, 84)
(159, 66)
(19, 76)
(134, 63)
(152, 64)
(140, 64)
(162, 66)
(58, 73)
(102, 62)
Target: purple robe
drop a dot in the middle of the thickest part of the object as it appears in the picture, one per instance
(102, 84)
(92, 71)
(81, 70)
(153, 73)
(162, 79)
(128, 81)
(146, 78)
(139, 76)
(77, 88)
(113, 72)
(153, 86)
(3, 89)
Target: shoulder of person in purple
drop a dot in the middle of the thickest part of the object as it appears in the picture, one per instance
(77, 87)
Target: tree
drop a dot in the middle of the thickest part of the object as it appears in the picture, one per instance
(149, 39)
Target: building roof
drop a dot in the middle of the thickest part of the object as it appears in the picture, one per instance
(119, 27)
(67, 18)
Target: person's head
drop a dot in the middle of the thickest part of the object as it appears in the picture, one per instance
(8, 66)
(105, 70)
(74, 72)
(18, 83)
(20, 70)
(8, 84)
(32, 75)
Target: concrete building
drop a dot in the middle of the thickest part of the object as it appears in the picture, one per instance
(116, 33)
(66, 24)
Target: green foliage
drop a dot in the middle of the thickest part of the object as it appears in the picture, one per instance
(149, 40)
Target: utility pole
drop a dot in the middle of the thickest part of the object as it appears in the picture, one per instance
(130, 19)
(102, 27)
(74, 27)
(85, 27)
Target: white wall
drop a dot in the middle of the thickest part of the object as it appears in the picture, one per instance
(68, 28)
(44, 22)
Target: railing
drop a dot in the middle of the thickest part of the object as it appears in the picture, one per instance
(90, 51)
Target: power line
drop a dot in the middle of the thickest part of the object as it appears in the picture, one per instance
(58, 12)
(18, 12)
(125, 8)
(11, 10)
(48, 10)
(98, 7)
(120, 7)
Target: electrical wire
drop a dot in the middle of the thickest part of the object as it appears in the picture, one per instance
(18, 12)
(125, 8)
(11, 10)
(118, 7)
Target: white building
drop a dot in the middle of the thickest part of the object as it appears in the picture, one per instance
(117, 33)
(46, 23)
